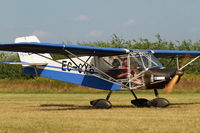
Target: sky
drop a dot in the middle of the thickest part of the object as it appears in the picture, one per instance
(97, 20)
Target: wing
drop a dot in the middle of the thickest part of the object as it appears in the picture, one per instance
(35, 47)
(174, 53)
(79, 50)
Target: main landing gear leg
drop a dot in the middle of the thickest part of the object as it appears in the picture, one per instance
(102, 103)
(156, 92)
(159, 102)
(108, 96)
(139, 102)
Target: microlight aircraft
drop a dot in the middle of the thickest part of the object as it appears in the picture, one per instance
(111, 69)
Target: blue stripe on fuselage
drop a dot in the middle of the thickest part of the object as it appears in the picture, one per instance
(80, 79)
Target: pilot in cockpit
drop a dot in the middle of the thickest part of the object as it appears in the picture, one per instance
(116, 72)
(132, 71)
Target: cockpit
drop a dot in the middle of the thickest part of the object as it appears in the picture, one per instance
(137, 60)
(130, 68)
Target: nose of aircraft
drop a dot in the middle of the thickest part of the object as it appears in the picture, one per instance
(159, 77)
(169, 87)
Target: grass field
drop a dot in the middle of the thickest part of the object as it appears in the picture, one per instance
(71, 113)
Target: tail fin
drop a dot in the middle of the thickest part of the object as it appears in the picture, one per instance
(30, 60)
(29, 57)
(27, 39)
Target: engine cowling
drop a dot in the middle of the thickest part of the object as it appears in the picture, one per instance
(158, 77)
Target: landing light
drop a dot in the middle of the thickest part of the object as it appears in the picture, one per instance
(159, 78)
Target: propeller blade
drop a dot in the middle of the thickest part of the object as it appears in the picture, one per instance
(169, 87)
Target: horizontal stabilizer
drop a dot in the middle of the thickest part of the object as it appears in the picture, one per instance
(24, 63)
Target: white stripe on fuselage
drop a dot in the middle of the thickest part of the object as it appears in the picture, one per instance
(67, 65)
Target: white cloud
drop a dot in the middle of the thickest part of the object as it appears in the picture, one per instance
(41, 34)
(95, 33)
(81, 18)
(130, 22)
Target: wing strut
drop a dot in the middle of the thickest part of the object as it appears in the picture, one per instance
(177, 62)
(189, 62)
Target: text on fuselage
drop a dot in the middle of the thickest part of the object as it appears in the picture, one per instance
(81, 68)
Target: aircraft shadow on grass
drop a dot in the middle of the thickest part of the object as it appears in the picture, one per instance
(185, 103)
(46, 107)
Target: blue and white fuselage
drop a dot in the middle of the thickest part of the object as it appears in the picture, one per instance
(74, 70)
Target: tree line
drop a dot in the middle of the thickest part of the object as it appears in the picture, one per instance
(16, 72)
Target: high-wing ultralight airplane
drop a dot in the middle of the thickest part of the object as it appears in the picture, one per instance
(111, 69)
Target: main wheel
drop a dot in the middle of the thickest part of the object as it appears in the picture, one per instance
(101, 104)
(142, 102)
(159, 102)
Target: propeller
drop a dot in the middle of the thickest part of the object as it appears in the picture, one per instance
(169, 87)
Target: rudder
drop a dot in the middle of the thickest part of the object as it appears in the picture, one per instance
(30, 57)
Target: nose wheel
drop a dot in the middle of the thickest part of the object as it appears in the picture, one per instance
(159, 102)
(156, 102)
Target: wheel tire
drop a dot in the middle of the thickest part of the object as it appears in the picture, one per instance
(159, 102)
(142, 102)
(101, 104)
